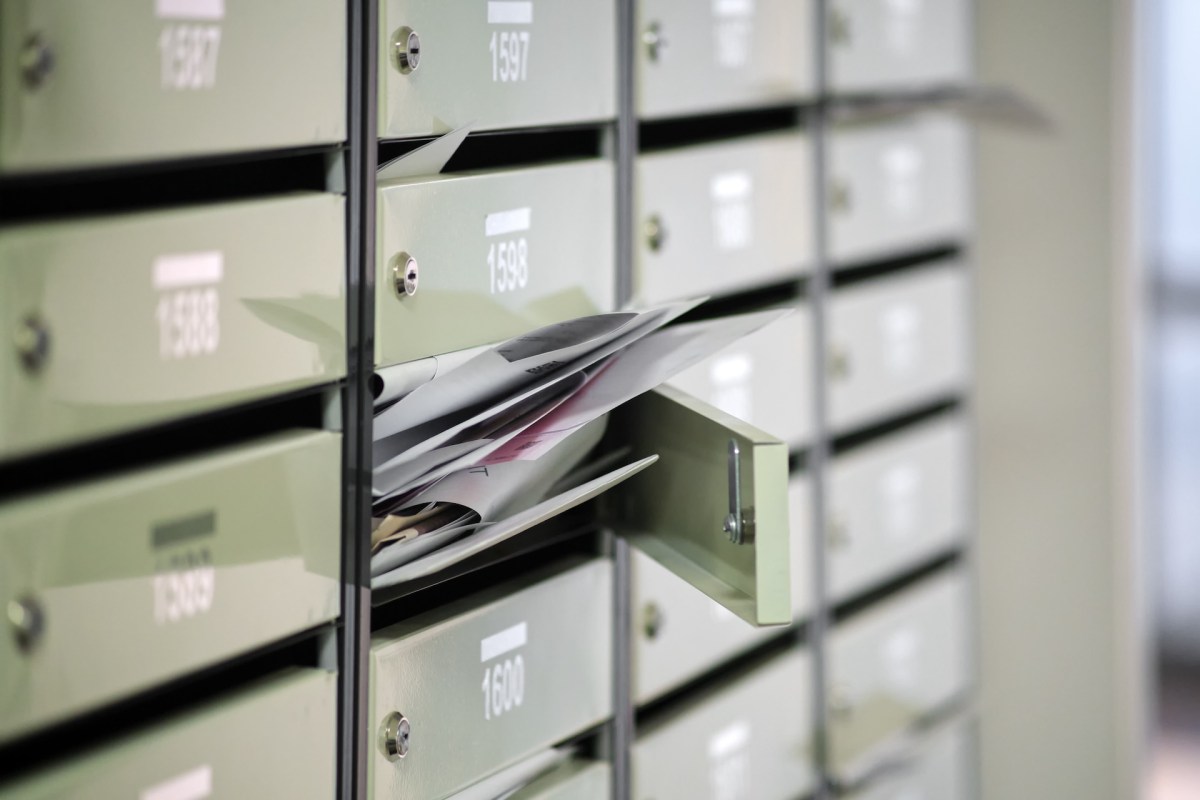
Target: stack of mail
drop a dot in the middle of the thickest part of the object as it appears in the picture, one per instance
(494, 446)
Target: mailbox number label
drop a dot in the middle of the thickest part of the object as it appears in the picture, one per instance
(508, 265)
(189, 56)
(503, 670)
(510, 56)
(184, 585)
(188, 311)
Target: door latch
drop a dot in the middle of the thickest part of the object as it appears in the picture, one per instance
(739, 523)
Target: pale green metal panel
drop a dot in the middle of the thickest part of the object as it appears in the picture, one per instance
(155, 316)
(896, 502)
(498, 253)
(723, 55)
(895, 343)
(497, 64)
(275, 739)
(577, 779)
(893, 46)
(937, 767)
(138, 80)
(144, 576)
(675, 511)
(894, 665)
(898, 184)
(487, 681)
(750, 739)
(718, 218)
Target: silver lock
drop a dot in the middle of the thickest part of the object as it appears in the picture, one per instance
(27, 621)
(36, 61)
(652, 620)
(405, 275)
(656, 233)
(656, 43)
(394, 736)
(32, 341)
(408, 50)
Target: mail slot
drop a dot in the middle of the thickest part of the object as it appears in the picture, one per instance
(578, 779)
(938, 767)
(680, 634)
(276, 738)
(894, 665)
(125, 582)
(895, 343)
(763, 379)
(492, 255)
(91, 84)
(897, 45)
(115, 323)
(522, 667)
(902, 184)
(749, 52)
(719, 218)
(751, 738)
(894, 503)
(495, 64)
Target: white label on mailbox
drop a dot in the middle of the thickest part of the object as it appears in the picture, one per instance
(902, 165)
(901, 656)
(901, 491)
(731, 377)
(508, 258)
(903, 25)
(193, 785)
(729, 761)
(733, 32)
(503, 642)
(900, 327)
(509, 49)
(503, 680)
(733, 210)
(510, 12)
(190, 9)
(188, 310)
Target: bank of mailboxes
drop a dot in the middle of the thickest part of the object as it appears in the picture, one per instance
(289, 722)
(123, 321)
(88, 85)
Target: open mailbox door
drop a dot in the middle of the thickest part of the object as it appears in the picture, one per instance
(714, 509)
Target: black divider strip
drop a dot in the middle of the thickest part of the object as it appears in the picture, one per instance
(170, 440)
(944, 561)
(860, 272)
(681, 131)
(865, 436)
(508, 149)
(160, 186)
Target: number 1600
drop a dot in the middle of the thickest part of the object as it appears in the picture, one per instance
(503, 687)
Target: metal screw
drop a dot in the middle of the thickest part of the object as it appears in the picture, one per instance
(405, 275)
(36, 61)
(408, 50)
(28, 622)
(656, 43)
(730, 526)
(32, 340)
(656, 233)
(394, 736)
(652, 620)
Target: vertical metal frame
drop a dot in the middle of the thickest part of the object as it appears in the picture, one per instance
(819, 450)
(354, 741)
